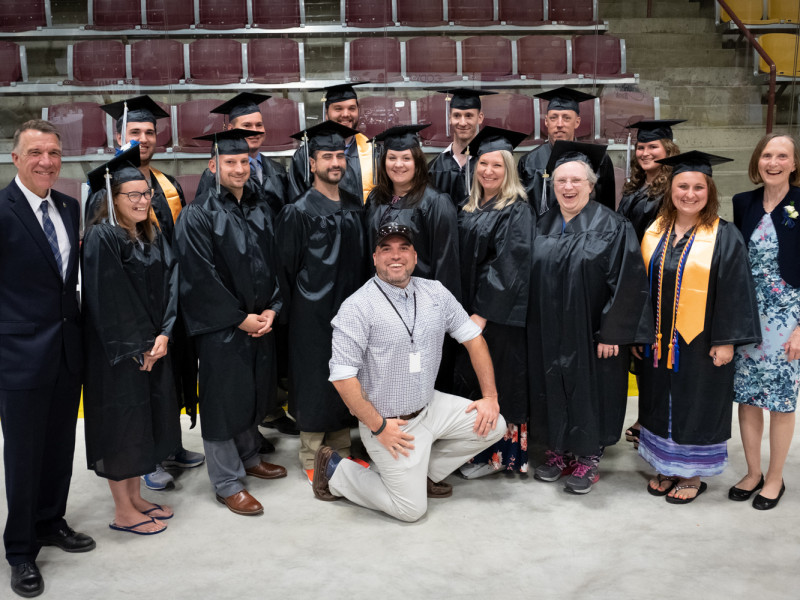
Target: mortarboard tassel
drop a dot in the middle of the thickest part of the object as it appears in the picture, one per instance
(324, 100)
(112, 216)
(466, 172)
(543, 207)
(216, 163)
(628, 159)
(124, 123)
(308, 156)
(374, 162)
(447, 115)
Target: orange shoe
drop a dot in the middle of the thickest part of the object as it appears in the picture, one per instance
(310, 475)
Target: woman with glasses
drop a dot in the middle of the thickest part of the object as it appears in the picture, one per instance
(588, 303)
(495, 229)
(130, 303)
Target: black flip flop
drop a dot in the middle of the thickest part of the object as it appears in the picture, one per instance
(673, 500)
(661, 479)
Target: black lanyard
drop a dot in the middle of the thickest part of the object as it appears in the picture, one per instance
(414, 324)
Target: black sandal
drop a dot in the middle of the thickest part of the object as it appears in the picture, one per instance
(632, 435)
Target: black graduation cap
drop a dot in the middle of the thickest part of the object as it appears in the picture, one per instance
(394, 228)
(242, 104)
(327, 135)
(141, 109)
(564, 152)
(123, 167)
(401, 137)
(230, 141)
(655, 129)
(564, 98)
(338, 93)
(465, 98)
(693, 161)
(490, 139)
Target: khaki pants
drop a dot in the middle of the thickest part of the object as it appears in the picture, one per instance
(310, 441)
(443, 441)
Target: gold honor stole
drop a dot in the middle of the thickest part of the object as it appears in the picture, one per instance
(365, 160)
(691, 287)
(170, 193)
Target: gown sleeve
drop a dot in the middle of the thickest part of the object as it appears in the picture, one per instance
(171, 279)
(605, 190)
(735, 318)
(627, 317)
(443, 241)
(113, 305)
(206, 303)
(501, 294)
(290, 241)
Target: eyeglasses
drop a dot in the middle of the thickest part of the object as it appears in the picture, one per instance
(136, 196)
(574, 182)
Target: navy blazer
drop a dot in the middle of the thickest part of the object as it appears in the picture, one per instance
(748, 209)
(39, 312)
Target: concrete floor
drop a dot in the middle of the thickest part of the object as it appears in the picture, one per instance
(506, 536)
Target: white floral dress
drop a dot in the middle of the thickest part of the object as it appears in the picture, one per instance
(764, 377)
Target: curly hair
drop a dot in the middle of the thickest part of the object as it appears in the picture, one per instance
(384, 190)
(659, 185)
(668, 213)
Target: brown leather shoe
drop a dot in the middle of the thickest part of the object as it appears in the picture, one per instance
(242, 503)
(439, 490)
(320, 482)
(265, 470)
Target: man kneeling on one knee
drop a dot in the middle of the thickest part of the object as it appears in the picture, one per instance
(387, 345)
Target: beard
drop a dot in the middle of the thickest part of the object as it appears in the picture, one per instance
(332, 176)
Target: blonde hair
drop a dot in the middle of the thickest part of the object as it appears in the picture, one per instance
(510, 190)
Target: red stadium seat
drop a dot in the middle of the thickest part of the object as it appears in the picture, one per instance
(282, 119)
(215, 61)
(510, 111)
(374, 59)
(223, 14)
(431, 59)
(585, 131)
(597, 55)
(97, 62)
(471, 12)
(368, 13)
(377, 113)
(432, 110)
(273, 60)
(163, 129)
(620, 109)
(276, 14)
(157, 61)
(169, 14)
(189, 185)
(420, 13)
(82, 126)
(573, 11)
(195, 119)
(539, 55)
(530, 12)
(487, 58)
(70, 187)
(22, 16)
(116, 14)
(10, 64)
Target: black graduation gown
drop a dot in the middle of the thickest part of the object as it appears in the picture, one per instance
(533, 164)
(130, 295)
(229, 269)
(640, 209)
(322, 248)
(495, 247)
(588, 285)
(434, 224)
(702, 394)
(351, 181)
(449, 177)
(273, 188)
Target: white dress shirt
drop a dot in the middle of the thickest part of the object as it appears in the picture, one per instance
(55, 216)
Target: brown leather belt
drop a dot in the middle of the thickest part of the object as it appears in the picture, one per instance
(409, 416)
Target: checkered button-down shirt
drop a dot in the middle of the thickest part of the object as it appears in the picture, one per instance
(372, 343)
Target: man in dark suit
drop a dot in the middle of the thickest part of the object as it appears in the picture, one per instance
(40, 354)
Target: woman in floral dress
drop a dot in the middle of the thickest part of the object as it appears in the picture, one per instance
(768, 374)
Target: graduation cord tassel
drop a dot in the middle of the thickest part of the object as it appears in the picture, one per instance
(124, 123)
(112, 217)
(628, 159)
(674, 355)
(661, 247)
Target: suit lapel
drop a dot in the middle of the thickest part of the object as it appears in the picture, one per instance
(20, 207)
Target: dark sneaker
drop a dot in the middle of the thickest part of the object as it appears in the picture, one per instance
(584, 474)
(554, 468)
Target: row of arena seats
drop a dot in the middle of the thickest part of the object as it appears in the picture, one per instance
(784, 49)
(430, 60)
(760, 13)
(280, 14)
(86, 130)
